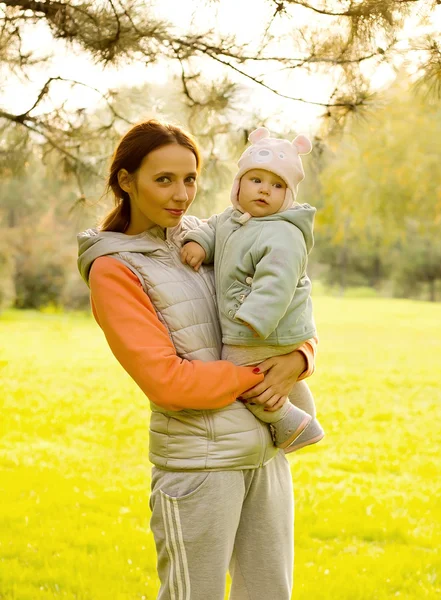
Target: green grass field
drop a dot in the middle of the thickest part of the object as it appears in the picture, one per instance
(74, 473)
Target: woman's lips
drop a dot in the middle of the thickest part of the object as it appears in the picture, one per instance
(174, 211)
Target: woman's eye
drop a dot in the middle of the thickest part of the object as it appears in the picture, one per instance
(190, 179)
(163, 179)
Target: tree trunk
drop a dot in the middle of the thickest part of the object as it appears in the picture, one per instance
(432, 289)
(342, 270)
(376, 272)
(12, 220)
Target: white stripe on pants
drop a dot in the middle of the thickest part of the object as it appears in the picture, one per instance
(207, 521)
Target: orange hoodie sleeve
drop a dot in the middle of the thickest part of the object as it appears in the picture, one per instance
(142, 345)
(309, 350)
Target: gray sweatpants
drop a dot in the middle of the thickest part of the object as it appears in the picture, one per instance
(206, 522)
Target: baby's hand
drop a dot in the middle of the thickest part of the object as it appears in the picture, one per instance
(192, 254)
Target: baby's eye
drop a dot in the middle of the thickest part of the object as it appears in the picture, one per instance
(255, 179)
(163, 179)
(278, 185)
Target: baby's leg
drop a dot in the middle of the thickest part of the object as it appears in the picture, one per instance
(301, 397)
(286, 423)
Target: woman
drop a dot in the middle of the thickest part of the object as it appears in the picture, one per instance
(221, 492)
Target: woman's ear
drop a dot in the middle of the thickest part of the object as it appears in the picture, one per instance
(124, 180)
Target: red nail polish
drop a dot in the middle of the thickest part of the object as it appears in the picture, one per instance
(256, 370)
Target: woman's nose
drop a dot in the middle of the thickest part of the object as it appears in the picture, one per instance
(180, 192)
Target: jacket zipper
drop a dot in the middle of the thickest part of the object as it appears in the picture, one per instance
(208, 418)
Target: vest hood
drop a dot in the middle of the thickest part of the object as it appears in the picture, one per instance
(94, 243)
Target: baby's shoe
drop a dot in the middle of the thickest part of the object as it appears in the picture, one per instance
(290, 426)
(311, 435)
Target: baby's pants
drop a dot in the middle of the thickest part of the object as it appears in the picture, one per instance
(300, 394)
(206, 522)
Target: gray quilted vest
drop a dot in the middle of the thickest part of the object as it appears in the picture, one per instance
(185, 301)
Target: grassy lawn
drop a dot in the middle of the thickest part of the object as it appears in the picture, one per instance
(74, 473)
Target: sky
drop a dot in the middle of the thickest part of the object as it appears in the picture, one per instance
(243, 18)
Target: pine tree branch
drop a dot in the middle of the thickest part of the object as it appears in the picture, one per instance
(184, 80)
(280, 94)
(204, 48)
(356, 9)
(45, 90)
(37, 127)
(115, 29)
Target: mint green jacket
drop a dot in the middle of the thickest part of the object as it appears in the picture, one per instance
(260, 274)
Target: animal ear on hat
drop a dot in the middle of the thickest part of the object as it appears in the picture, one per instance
(258, 134)
(302, 144)
(235, 192)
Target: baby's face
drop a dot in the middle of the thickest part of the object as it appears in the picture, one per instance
(261, 193)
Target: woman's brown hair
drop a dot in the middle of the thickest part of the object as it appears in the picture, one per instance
(134, 146)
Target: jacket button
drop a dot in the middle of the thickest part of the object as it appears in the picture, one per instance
(230, 313)
(241, 297)
(249, 280)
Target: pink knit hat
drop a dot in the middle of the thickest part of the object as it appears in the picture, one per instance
(278, 156)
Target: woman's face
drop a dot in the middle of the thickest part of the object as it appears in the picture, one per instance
(162, 189)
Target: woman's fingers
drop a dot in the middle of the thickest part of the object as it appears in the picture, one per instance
(254, 391)
(272, 401)
(263, 397)
(266, 365)
(280, 402)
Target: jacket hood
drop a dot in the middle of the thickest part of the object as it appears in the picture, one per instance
(300, 215)
(93, 243)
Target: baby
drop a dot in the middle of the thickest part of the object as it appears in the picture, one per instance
(260, 248)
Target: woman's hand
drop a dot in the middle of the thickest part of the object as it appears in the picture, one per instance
(281, 373)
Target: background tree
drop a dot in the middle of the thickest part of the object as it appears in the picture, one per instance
(342, 41)
(380, 208)
(375, 181)
(40, 212)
